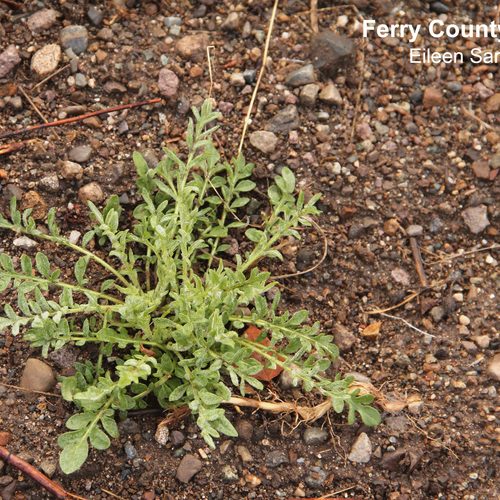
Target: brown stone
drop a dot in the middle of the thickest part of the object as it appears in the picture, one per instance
(433, 97)
(493, 103)
(33, 200)
(481, 169)
(193, 46)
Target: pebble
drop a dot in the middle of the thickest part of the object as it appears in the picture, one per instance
(33, 200)
(245, 430)
(189, 466)
(229, 474)
(237, 79)
(414, 230)
(74, 237)
(130, 450)
(493, 367)
(113, 87)
(476, 218)
(464, 320)
(301, 76)
(48, 467)
(439, 7)
(276, 458)
(315, 477)
(172, 21)
(80, 154)
(9, 59)
(161, 435)
(309, 94)
(481, 169)
(284, 120)
(232, 22)
(433, 97)
(399, 275)
(91, 192)
(95, 15)
(75, 37)
(264, 141)
(252, 480)
(361, 450)
(314, 436)
(493, 103)
(50, 183)
(330, 51)
(177, 438)
(330, 94)
(25, 243)
(343, 337)
(42, 20)
(80, 80)
(4, 441)
(46, 60)
(71, 170)
(193, 46)
(37, 376)
(168, 82)
(244, 454)
(249, 76)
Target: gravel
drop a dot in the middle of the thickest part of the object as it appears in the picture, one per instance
(361, 450)
(37, 376)
(9, 59)
(74, 37)
(476, 218)
(45, 61)
(301, 76)
(264, 141)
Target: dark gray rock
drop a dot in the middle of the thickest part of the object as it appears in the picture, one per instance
(95, 15)
(276, 458)
(9, 59)
(315, 477)
(301, 76)
(285, 120)
(75, 37)
(330, 51)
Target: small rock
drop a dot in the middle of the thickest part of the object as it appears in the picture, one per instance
(264, 141)
(470, 347)
(284, 120)
(433, 97)
(493, 103)
(37, 376)
(189, 466)
(4, 439)
(91, 192)
(42, 20)
(464, 320)
(80, 80)
(414, 230)
(331, 95)
(74, 37)
(9, 59)
(301, 76)
(493, 368)
(400, 276)
(439, 7)
(232, 22)
(276, 458)
(314, 435)
(25, 243)
(113, 87)
(33, 200)
(71, 170)
(309, 94)
(168, 82)
(415, 407)
(161, 435)
(80, 154)
(129, 427)
(46, 60)
(483, 341)
(237, 79)
(177, 438)
(48, 467)
(438, 313)
(244, 454)
(229, 474)
(330, 51)
(391, 227)
(193, 46)
(172, 21)
(95, 15)
(361, 450)
(343, 337)
(481, 169)
(315, 478)
(476, 218)
(252, 480)
(50, 183)
(249, 76)
(245, 430)
(130, 450)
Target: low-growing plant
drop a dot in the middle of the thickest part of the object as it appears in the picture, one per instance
(169, 312)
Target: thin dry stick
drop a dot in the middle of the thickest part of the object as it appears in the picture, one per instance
(210, 74)
(402, 303)
(314, 16)
(46, 483)
(261, 73)
(41, 82)
(11, 147)
(315, 266)
(419, 265)
(23, 389)
(463, 254)
(482, 123)
(78, 118)
(413, 327)
(110, 493)
(33, 105)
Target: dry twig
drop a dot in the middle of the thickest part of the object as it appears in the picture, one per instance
(419, 265)
(78, 118)
(314, 16)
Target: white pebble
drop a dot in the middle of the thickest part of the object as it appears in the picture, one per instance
(464, 320)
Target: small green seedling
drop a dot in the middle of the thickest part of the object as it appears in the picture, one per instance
(166, 309)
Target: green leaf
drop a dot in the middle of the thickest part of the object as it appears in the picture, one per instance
(140, 164)
(245, 186)
(208, 398)
(369, 415)
(42, 264)
(254, 235)
(289, 179)
(110, 426)
(80, 269)
(79, 421)
(73, 456)
(99, 439)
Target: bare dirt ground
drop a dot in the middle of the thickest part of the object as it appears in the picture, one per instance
(391, 146)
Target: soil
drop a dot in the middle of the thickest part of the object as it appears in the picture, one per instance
(406, 145)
